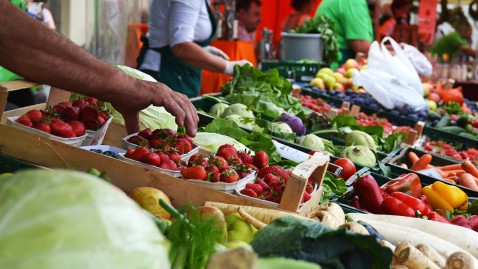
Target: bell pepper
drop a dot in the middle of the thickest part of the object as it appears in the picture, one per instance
(435, 216)
(446, 197)
(402, 204)
(368, 192)
(408, 183)
(424, 199)
(474, 222)
(355, 202)
(462, 221)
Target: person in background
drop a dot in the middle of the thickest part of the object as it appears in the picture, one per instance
(44, 56)
(401, 14)
(352, 23)
(456, 43)
(302, 9)
(177, 47)
(248, 14)
(37, 8)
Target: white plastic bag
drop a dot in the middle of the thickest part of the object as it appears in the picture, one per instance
(419, 61)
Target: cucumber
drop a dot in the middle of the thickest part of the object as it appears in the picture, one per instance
(433, 115)
(444, 121)
(466, 135)
(462, 121)
(452, 129)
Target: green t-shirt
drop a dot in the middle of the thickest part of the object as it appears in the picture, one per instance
(351, 21)
(449, 44)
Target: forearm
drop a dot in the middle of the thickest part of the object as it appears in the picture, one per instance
(41, 55)
(360, 46)
(468, 51)
(196, 56)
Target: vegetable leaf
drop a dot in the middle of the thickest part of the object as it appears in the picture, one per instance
(332, 188)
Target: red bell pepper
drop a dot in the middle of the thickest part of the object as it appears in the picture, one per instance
(474, 222)
(368, 192)
(462, 221)
(435, 216)
(408, 183)
(424, 199)
(355, 202)
(399, 203)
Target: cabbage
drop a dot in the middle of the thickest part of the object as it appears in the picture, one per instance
(361, 155)
(312, 142)
(218, 109)
(212, 141)
(281, 127)
(242, 122)
(257, 128)
(66, 219)
(238, 109)
(359, 138)
(294, 122)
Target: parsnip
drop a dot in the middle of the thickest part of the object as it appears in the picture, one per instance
(355, 227)
(253, 221)
(406, 254)
(459, 260)
(432, 254)
(333, 209)
(462, 237)
(325, 218)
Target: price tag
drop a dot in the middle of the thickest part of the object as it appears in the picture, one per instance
(289, 153)
(431, 172)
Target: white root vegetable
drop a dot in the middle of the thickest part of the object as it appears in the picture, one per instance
(397, 233)
(253, 221)
(432, 254)
(333, 209)
(387, 244)
(459, 260)
(355, 227)
(406, 254)
(464, 238)
(398, 266)
(325, 218)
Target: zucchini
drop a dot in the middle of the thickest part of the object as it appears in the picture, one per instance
(444, 121)
(462, 121)
(452, 129)
(467, 135)
(433, 115)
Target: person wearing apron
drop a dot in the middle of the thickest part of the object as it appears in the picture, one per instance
(177, 47)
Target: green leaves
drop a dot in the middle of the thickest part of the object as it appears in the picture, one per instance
(332, 188)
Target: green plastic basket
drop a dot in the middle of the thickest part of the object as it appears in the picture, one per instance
(297, 71)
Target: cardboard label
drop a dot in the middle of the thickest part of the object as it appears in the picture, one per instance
(431, 172)
(289, 153)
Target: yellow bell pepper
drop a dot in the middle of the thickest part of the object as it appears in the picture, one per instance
(446, 197)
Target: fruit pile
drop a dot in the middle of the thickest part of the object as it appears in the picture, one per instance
(66, 119)
(316, 104)
(168, 161)
(443, 148)
(270, 185)
(228, 165)
(164, 140)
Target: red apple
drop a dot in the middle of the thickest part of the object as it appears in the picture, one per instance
(217, 213)
(434, 97)
(148, 199)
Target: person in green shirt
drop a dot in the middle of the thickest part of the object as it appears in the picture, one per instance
(455, 43)
(353, 25)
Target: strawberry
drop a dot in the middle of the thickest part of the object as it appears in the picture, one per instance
(234, 161)
(81, 103)
(262, 183)
(197, 159)
(229, 175)
(255, 187)
(251, 166)
(163, 156)
(273, 198)
(58, 108)
(102, 120)
(219, 162)
(92, 101)
(175, 157)
(88, 113)
(93, 124)
(168, 164)
(278, 188)
(226, 146)
(249, 192)
(157, 143)
(78, 128)
(129, 152)
(66, 104)
(163, 133)
(183, 146)
(227, 153)
(70, 113)
(137, 140)
(276, 170)
(34, 115)
(212, 173)
(243, 174)
(104, 115)
(151, 158)
(309, 188)
(42, 126)
(146, 133)
(264, 194)
(187, 137)
(195, 172)
(270, 179)
(306, 197)
(245, 158)
(260, 160)
(139, 153)
(62, 129)
(24, 121)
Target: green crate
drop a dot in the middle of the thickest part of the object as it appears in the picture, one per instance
(11, 165)
(297, 71)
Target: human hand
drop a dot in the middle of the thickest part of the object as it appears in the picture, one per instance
(217, 52)
(230, 66)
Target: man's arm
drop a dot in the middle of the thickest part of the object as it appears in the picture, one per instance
(468, 50)
(41, 55)
(360, 46)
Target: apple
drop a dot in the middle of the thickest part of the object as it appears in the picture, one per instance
(326, 70)
(329, 82)
(341, 70)
(432, 105)
(434, 97)
(350, 71)
(238, 229)
(148, 199)
(317, 82)
(211, 211)
(351, 63)
(337, 76)
(427, 88)
(339, 86)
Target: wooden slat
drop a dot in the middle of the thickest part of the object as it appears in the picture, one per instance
(115, 134)
(3, 102)
(16, 85)
(57, 96)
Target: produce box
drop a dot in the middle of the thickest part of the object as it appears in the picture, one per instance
(11, 165)
(96, 137)
(296, 70)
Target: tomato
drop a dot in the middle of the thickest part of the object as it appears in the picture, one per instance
(348, 167)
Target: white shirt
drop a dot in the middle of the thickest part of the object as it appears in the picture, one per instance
(173, 22)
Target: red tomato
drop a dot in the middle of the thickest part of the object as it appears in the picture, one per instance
(348, 166)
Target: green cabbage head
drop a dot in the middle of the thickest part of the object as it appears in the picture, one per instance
(359, 138)
(311, 141)
(66, 219)
(238, 109)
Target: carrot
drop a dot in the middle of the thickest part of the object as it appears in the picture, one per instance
(452, 179)
(450, 174)
(468, 180)
(442, 174)
(456, 172)
(450, 167)
(422, 162)
(413, 157)
(469, 168)
(404, 165)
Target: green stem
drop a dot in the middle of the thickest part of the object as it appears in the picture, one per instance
(325, 131)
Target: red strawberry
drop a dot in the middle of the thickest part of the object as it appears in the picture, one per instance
(137, 140)
(245, 157)
(183, 146)
(229, 175)
(235, 161)
(270, 179)
(93, 124)
(146, 133)
(243, 174)
(102, 120)
(34, 115)
(88, 113)
(262, 183)
(255, 187)
(129, 152)
(42, 126)
(260, 160)
(66, 104)
(187, 137)
(163, 133)
(273, 198)
(197, 159)
(278, 188)
(306, 197)
(226, 146)
(151, 158)
(175, 157)
(163, 156)
(168, 165)
(104, 115)
(157, 143)
(195, 172)
(219, 162)
(139, 153)
(249, 192)
(212, 173)
(70, 113)
(251, 166)
(24, 121)
(92, 101)
(227, 153)
(62, 129)
(58, 108)
(276, 170)
(309, 188)
(78, 128)
(81, 103)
